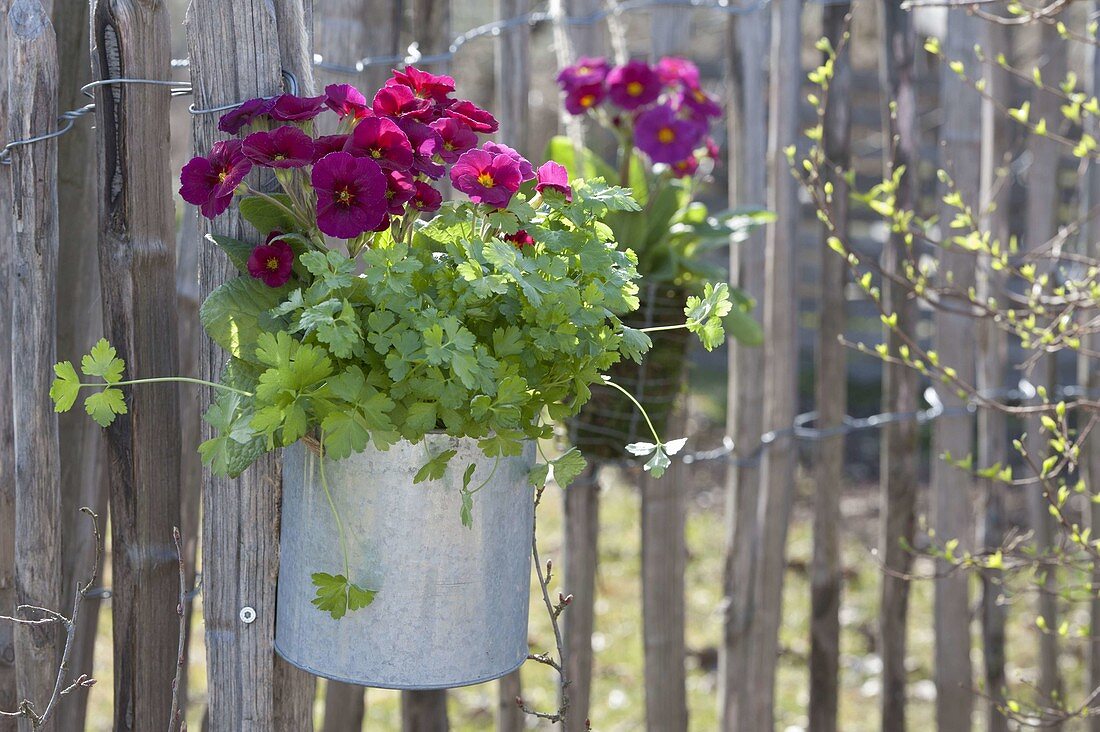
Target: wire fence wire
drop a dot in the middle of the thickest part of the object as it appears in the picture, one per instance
(412, 56)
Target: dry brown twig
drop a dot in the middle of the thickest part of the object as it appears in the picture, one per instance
(176, 722)
(27, 708)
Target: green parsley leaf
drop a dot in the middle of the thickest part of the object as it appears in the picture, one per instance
(104, 406)
(65, 387)
(337, 596)
(102, 361)
(435, 468)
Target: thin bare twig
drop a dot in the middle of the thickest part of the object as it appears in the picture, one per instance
(176, 722)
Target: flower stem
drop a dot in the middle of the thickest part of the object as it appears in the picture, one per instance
(332, 507)
(637, 404)
(177, 379)
(624, 164)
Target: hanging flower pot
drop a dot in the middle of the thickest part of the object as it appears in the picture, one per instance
(451, 603)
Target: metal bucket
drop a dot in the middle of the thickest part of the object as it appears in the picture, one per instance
(452, 602)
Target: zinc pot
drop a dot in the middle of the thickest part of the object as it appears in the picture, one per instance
(452, 602)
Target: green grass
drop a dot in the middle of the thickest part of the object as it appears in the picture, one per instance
(617, 694)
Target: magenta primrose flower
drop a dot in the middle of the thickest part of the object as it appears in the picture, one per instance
(423, 84)
(284, 147)
(674, 71)
(473, 116)
(521, 239)
(665, 138)
(400, 101)
(554, 177)
(290, 108)
(351, 194)
(685, 168)
(208, 182)
(486, 177)
(586, 72)
(235, 120)
(579, 100)
(526, 170)
(633, 85)
(426, 198)
(400, 189)
(425, 143)
(325, 144)
(381, 139)
(456, 138)
(272, 261)
(346, 100)
(699, 103)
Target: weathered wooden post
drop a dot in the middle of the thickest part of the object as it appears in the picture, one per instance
(137, 269)
(954, 341)
(344, 32)
(831, 395)
(992, 345)
(8, 697)
(250, 689)
(747, 43)
(513, 77)
(898, 468)
(79, 325)
(1040, 226)
(777, 474)
(664, 551)
(32, 104)
(580, 548)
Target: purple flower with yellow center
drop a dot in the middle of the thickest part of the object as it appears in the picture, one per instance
(400, 101)
(700, 104)
(291, 108)
(382, 140)
(455, 138)
(685, 168)
(473, 116)
(351, 194)
(526, 170)
(676, 71)
(235, 120)
(586, 72)
(521, 239)
(554, 177)
(664, 137)
(272, 261)
(326, 144)
(423, 84)
(208, 182)
(579, 100)
(346, 101)
(633, 85)
(426, 198)
(486, 177)
(400, 189)
(425, 142)
(283, 147)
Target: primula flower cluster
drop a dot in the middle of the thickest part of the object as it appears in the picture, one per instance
(378, 172)
(660, 109)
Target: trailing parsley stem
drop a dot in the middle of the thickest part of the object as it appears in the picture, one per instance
(637, 404)
(655, 328)
(178, 379)
(332, 507)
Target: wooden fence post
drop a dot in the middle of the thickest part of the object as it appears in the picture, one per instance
(1088, 376)
(744, 403)
(664, 551)
(1040, 226)
(250, 690)
(32, 100)
(137, 269)
(79, 325)
(8, 697)
(898, 468)
(826, 577)
(954, 337)
(777, 473)
(345, 31)
(426, 711)
(992, 358)
(513, 82)
(580, 545)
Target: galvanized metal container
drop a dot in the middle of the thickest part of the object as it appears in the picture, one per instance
(452, 602)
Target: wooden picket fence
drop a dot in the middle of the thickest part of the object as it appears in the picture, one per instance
(63, 281)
